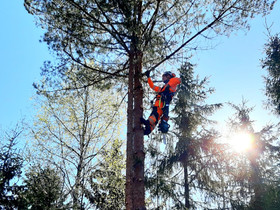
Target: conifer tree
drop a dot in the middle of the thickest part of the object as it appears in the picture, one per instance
(272, 64)
(11, 163)
(196, 148)
(250, 173)
(187, 167)
(107, 182)
(43, 189)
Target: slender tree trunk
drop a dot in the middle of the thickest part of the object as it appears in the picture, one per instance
(257, 185)
(186, 185)
(77, 186)
(135, 193)
(129, 143)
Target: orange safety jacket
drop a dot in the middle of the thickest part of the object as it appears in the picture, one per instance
(171, 84)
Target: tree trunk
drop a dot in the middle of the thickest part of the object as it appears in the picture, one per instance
(135, 193)
(77, 186)
(257, 184)
(186, 185)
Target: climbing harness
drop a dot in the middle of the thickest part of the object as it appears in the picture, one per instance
(163, 101)
(161, 105)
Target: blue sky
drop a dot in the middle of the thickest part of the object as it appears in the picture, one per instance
(21, 56)
(235, 69)
(234, 65)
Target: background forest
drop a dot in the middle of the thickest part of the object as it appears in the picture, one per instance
(84, 147)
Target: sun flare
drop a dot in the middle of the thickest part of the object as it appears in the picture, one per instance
(241, 141)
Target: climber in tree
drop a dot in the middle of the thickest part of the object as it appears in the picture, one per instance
(163, 99)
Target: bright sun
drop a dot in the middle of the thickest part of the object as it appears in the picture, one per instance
(241, 141)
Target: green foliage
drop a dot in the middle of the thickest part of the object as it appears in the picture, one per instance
(196, 149)
(94, 39)
(189, 167)
(43, 189)
(98, 41)
(108, 181)
(11, 163)
(190, 108)
(271, 197)
(256, 170)
(71, 132)
(272, 64)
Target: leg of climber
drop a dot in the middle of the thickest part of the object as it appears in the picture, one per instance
(165, 113)
(164, 126)
(165, 109)
(147, 129)
(151, 123)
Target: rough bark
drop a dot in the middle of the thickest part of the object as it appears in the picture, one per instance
(129, 144)
(135, 194)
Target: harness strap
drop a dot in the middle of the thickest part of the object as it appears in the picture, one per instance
(160, 102)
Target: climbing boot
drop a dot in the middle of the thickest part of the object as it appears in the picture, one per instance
(164, 126)
(147, 128)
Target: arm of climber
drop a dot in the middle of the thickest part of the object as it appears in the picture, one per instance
(172, 85)
(174, 81)
(151, 84)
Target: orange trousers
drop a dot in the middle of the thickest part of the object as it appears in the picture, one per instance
(155, 117)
